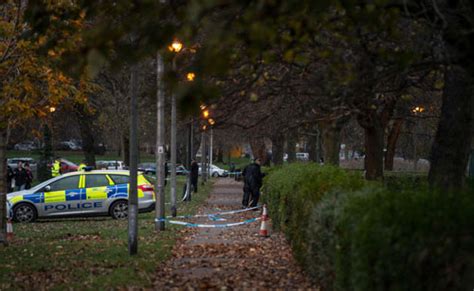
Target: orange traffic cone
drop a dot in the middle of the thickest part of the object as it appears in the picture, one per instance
(9, 229)
(264, 226)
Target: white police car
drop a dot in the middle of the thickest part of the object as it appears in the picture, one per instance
(89, 193)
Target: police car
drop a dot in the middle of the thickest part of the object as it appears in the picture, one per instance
(84, 193)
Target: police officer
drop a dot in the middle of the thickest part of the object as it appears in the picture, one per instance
(82, 166)
(56, 168)
(252, 182)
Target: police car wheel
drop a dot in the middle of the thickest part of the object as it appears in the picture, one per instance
(24, 213)
(215, 174)
(119, 210)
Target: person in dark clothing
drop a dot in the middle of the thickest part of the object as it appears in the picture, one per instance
(29, 176)
(10, 177)
(20, 177)
(253, 178)
(194, 175)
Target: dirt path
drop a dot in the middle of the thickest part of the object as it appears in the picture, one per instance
(230, 258)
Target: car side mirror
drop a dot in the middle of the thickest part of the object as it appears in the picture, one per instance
(47, 188)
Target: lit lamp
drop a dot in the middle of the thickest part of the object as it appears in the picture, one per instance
(52, 109)
(418, 109)
(175, 46)
(190, 76)
(415, 110)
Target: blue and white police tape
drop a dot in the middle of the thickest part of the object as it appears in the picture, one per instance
(216, 214)
(224, 225)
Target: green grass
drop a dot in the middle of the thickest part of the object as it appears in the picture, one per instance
(77, 156)
(89, 253)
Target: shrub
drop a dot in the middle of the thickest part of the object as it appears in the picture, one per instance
(292, 191)
(322, 235)
(405, 181)
(405, 241)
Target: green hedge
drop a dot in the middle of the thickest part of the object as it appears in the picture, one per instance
(292, 191)
(354, 235)
(406, 241)
(396, 181)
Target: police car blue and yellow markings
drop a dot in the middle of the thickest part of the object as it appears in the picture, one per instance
(81, 198)
(75, 195)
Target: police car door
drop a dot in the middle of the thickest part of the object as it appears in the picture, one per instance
(62, 197)
(98, 187)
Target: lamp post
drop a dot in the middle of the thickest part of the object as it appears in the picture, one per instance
(211, 141)
(204, 166)
(416, 111)
(133, 196)
(175, 47)
(160, 146)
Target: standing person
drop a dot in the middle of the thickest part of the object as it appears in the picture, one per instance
(10, 178)
(29, 176)
(20, 177)
(82, 166)
(194, 175)
(56, 168)
(253, 178)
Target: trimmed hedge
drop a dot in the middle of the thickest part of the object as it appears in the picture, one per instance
(292, 191)
(406, 241)
(354, 235)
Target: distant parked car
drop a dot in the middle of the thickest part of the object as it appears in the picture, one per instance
(150, 168)
(68, 146)
(13, 162)
(111, 165)
(25, 146)
(302, 156)
(67, 166)
(216, 171)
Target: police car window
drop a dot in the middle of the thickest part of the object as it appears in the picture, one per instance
(120, 179)
(65, 183)
(96, 181)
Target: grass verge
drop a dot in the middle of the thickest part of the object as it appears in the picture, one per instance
(89, 253)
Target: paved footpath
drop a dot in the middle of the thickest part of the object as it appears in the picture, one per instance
(230, 258)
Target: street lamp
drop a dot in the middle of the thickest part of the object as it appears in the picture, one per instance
(208, 123)
(175, 46)
(190, 76)
(416, 111)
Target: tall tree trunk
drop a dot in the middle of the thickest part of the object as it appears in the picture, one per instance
(258, 149)
(87, 135)
(374, 141)
(3, 186)
(220, 155)
(291, 145)
(278, 142)
(392, 143)
(46, 156)
(126, 150)
(450, 150)
(331, 140)
(314, 144)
